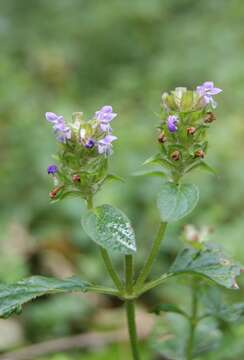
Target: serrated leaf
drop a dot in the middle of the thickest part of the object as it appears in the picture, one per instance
(168, 308)
(176, 201)
(13, 296)
(210, 263)
(110, 228)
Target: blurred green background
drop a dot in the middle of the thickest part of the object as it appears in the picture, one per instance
(77, 55)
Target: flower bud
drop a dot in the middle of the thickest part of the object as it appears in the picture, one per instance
(210, 117)
(199, 154)
(175, 155)
(191, 130)
(162, 138)
(54, 192)
(76, 178)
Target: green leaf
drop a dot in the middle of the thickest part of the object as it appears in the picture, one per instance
(13, 296)
(171, 335)
(158, 160)
(201, 165)
(112, 177)
(210, 263)
(110, 228)
(149, 173)
(176, 201)
(217, 308)
(168, 308)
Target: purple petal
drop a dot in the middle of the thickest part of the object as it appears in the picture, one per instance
(208, 85)
(216, 91)
(105, 127)
(172, 123)
(107, 108)
(108, 139)
(51, 117)
(90, 144)
(52, 169)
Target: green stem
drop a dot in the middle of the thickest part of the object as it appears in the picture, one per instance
(130, 311)
(130, 307)
(106, 258)
(193, 323)
(129, 274)
(104, 290)
(154, 283)
(109, 265)
(151, 257)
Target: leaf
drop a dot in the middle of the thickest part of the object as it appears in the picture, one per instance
(201, 165)
(217, 308)
(171, 336)
(176, 201)
(210, 263)
(168, 308)
(149, 173)
(112, 177)
(158, 160)
(13, 296)
(110, 228)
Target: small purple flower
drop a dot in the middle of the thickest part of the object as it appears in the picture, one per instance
(52, 169)
(61, 129)
(105, 145)
(172, 123)
(207, 91)
(90, 143)
(105, 115)
(52, 117)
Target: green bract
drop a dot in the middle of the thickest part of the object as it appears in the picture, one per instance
(176, 201)
(110, 228)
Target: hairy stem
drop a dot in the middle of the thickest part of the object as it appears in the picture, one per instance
(193, 323)
(130, 307)
(151, 257)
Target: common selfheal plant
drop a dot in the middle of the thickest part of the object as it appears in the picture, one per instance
(83, 154)
(84, 150)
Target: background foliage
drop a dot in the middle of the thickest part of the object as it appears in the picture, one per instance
(77, 55)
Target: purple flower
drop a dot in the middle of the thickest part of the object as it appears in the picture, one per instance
(207, 91)
(61, 129)
(90, 143)
(104, 116)
(51, 117)
(105, 145)
(172, 123)
(52, 169)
